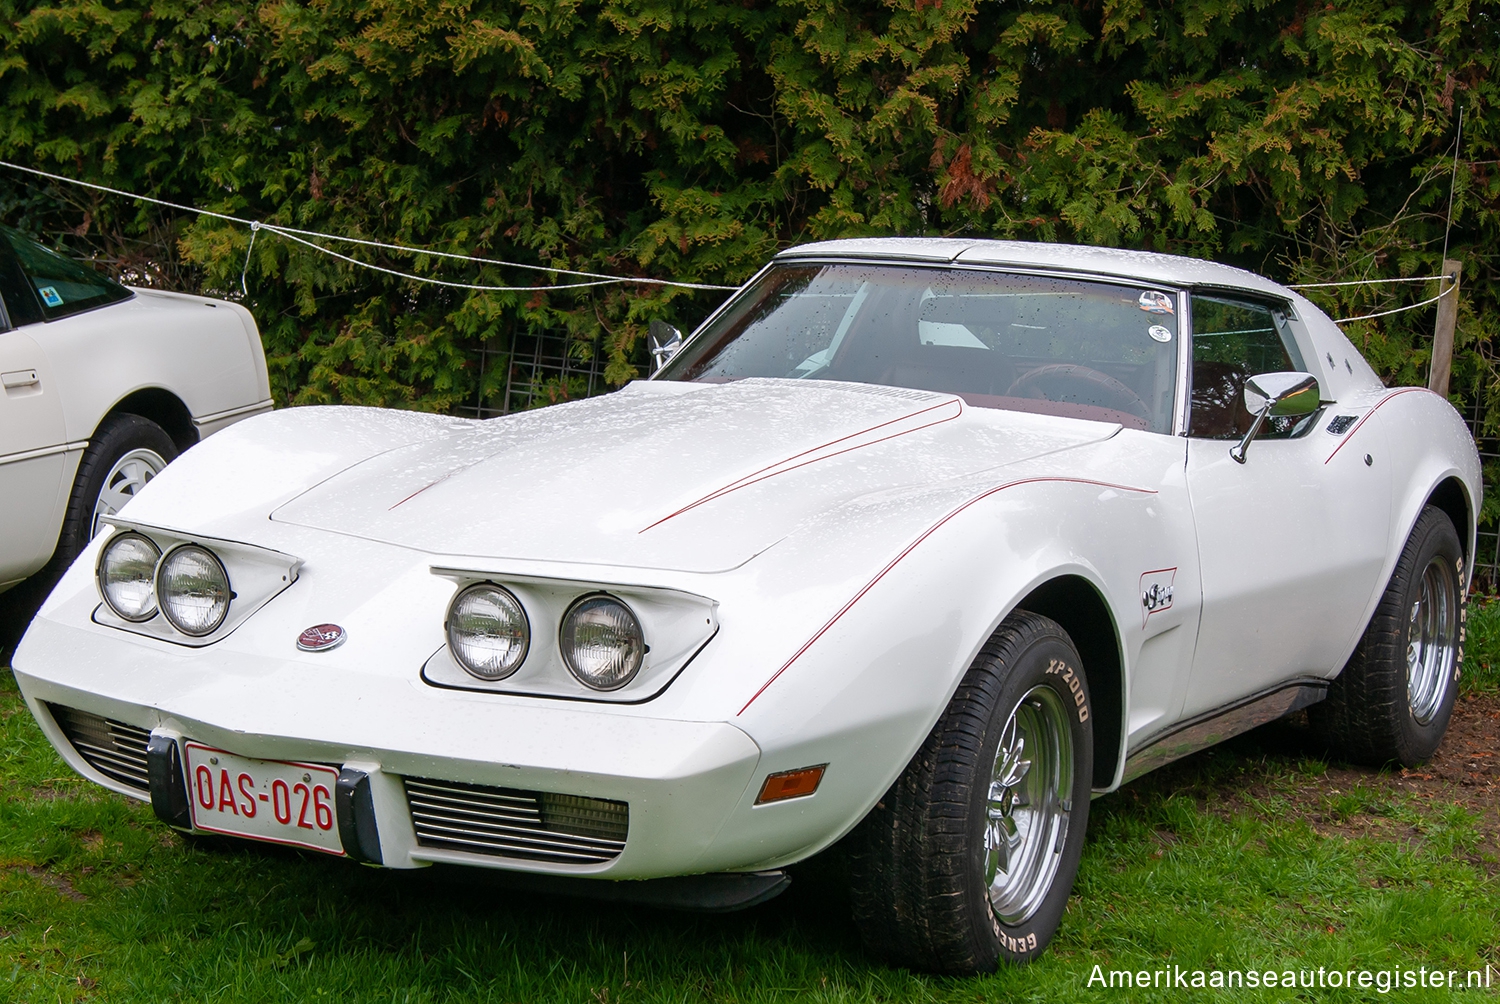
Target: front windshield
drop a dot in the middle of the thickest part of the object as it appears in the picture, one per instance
(1081, 349)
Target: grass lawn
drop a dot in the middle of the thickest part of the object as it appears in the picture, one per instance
(1257, 855)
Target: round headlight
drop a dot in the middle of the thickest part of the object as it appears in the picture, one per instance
(127, 567)
(193, 590)
(487, 631)
(602, 642)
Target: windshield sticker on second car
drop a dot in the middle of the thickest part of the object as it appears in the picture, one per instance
(50, 297)
(1154, 301)
(1160, 333)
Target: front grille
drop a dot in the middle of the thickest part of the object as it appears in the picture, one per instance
(535, 825)
(114, 749)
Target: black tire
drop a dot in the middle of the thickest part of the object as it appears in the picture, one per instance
(917, 863)
(116, 437)
(1369, 716)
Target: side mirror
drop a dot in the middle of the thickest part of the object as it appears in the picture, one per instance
(1276, 394)
(665, 341)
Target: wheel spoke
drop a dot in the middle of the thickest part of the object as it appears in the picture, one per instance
(1025, 823)
(126, 477)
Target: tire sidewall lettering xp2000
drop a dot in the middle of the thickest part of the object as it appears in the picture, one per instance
(923, 863)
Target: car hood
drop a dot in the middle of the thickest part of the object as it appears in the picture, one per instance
(691, 477)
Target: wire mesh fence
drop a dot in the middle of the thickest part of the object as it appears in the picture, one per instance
(534, 368)
(1487, 542)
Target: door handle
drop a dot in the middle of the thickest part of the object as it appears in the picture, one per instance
(19, 378)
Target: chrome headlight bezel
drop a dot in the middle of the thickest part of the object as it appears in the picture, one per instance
(504, 597)
(103, 584)
(164, 600)
(568, 646)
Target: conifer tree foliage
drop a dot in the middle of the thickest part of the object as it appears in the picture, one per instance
(691, 139)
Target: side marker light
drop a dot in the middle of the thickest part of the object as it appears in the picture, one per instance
(791, 784)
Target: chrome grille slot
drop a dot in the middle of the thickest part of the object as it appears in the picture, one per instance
(114, 749)
(536, 826)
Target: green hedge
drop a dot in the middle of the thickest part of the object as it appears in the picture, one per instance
(692, 138)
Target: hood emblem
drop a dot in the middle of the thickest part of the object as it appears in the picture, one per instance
(321, 637)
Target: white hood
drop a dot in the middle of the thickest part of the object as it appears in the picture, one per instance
(692, 477)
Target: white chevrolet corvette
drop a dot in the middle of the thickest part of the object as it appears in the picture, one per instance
(101, 386)
(914, 543)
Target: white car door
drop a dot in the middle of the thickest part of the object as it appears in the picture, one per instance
(1291, 542)
(32, 456)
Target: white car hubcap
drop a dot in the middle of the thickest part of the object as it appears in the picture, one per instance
(125, 479)
(1028, 805)
(1431, 641)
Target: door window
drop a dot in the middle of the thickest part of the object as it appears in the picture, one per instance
(21, 306)
(1234, 340)
(60, 286)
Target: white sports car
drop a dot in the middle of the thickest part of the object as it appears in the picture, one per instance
(101, 386)
(917, 544)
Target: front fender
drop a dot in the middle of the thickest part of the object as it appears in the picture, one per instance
(860, 685)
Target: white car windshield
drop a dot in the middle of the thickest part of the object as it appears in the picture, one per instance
(1082, 349)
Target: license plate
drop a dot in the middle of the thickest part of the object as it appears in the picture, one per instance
(273, 800)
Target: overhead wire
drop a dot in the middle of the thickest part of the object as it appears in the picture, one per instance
(297, 234)
(595, 279)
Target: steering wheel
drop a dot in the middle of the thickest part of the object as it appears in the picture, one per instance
(1073, 384)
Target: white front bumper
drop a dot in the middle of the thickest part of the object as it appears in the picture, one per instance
(684, 781)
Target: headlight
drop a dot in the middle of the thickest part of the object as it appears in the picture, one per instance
(602, 642)
(487, 631)
(193, 590)
(127, 568)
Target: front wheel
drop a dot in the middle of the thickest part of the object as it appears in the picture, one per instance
(969, 858)
(1394, 697)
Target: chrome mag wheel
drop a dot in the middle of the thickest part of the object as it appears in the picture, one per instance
(1432, 640)
(1028, 805)
(126, 477)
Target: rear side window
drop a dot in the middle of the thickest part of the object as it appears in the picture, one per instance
(1234, 340)
(60, 286)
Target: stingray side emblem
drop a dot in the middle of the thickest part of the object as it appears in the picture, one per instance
(321, 637)
(1156, 592)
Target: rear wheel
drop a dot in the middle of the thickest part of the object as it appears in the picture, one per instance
(968, 860)
(1394, 697)
(126, 452)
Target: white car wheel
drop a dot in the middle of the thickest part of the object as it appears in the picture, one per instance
(124, 480)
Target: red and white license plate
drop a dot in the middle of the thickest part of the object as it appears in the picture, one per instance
(274, 800)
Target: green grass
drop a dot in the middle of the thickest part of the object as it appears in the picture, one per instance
(1481, 672)
(100, 902)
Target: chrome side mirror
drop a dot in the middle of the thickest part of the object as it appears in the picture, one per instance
(665, 341)
(1276, 394)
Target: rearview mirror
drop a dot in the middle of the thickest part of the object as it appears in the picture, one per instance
(1274, 395)
(665, 341)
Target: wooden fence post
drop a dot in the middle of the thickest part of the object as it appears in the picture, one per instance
(1442, 335)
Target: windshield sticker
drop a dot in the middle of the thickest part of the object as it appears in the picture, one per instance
(50, 297)
(1160, 333)
(1156, 302)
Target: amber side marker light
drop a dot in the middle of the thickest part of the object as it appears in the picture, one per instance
(791, 784)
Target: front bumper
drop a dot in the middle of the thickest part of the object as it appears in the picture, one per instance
(683, 781)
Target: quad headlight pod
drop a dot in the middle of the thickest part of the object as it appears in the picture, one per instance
(192, 588)
(601, 642)
(488, 632)
(127, 574)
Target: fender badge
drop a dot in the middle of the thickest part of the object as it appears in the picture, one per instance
(321, 637)
(1156, 592)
